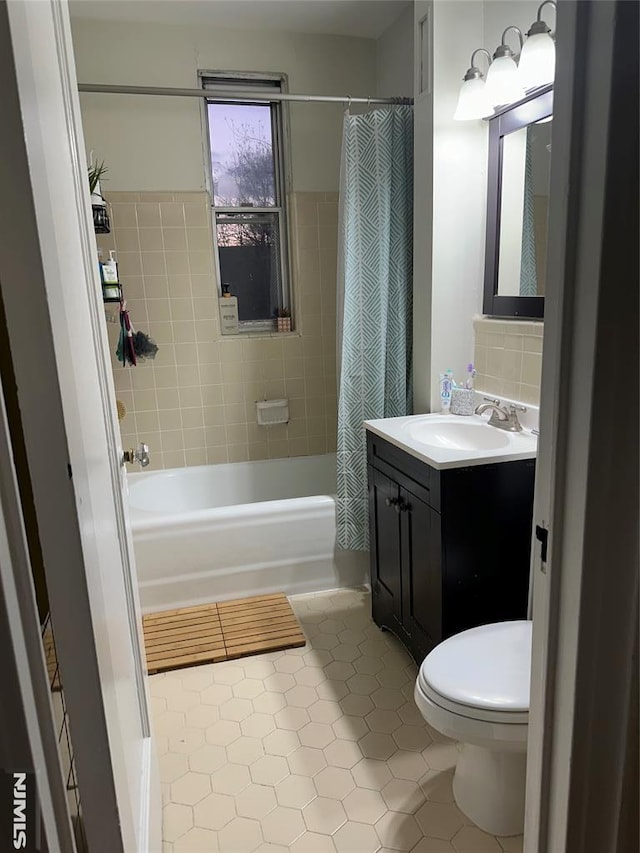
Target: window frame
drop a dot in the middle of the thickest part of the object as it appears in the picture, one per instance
(280, 135)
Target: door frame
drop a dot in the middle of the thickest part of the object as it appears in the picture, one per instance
(48, 279)
(582, 750)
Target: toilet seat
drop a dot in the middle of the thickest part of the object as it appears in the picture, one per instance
(519, 718)
(482, 674)
(495, 733)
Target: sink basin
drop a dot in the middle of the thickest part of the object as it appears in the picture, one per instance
(458, 436)
(449, 441)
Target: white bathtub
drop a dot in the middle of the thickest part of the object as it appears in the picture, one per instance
(215, 532)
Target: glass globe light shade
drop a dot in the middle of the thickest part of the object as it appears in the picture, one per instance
(537, 61)
(503, 84)
(472, 101)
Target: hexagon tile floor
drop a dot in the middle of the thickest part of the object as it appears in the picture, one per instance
(319, 749)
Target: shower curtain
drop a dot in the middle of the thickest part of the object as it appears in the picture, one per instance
(374, 297)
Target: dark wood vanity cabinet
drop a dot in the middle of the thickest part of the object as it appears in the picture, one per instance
(449, 549)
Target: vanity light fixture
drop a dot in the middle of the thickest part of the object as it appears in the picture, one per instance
(538, 57)
(504, 85)
(472, 100)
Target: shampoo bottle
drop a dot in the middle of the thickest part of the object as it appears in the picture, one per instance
(109, 279)
(110, 270)
(229, 324)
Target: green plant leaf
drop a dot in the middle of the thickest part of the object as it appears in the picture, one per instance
(96, 173)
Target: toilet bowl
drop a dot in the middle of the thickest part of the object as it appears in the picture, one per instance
(474, 687)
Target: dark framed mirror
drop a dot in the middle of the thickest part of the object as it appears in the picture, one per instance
(517, 207)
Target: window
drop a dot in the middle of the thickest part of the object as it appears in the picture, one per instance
(245, 141)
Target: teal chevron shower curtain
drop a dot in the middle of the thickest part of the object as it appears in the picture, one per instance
(374, 297)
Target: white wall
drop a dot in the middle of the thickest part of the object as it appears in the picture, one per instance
(451, 171)
(155, 143)
(459, 194)
(499, 14)
(394, 58)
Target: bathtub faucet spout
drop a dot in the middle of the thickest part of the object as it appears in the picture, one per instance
(139, 455)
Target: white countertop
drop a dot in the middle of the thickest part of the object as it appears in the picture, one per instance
(441, 448)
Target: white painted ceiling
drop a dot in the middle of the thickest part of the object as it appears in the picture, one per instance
(360, 18)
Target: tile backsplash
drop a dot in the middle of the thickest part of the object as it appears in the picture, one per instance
(508, 358)
(195, 403)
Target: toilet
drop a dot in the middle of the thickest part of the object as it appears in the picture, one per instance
(474, 687)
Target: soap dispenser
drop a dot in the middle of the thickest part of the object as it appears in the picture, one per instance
(109, 279)
(229, 323)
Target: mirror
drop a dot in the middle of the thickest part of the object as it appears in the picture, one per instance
(524, 205)
(517, 207)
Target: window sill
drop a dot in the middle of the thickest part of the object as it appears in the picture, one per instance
(293, 334)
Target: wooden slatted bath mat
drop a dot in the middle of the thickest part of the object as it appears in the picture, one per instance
(184, 637)
(210, 633)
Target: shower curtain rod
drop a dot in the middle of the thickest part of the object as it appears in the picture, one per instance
(232, 96)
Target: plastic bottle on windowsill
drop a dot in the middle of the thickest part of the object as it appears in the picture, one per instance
(229, 323)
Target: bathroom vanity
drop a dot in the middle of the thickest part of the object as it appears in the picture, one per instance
(450, 512)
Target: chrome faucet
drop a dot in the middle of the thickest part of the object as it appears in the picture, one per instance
(139, 455)
(502, 417)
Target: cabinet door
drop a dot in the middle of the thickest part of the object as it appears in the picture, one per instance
(486, 531)
(421, 573)
(384, 518)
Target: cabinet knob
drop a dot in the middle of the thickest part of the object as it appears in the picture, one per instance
(396, 503)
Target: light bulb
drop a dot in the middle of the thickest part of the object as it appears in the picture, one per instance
(472, 101)
(503, 84)
(538, 58)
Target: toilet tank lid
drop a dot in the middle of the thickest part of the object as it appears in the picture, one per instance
(484, 667)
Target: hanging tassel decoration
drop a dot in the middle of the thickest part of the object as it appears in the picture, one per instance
(133, 345)
(125, 352)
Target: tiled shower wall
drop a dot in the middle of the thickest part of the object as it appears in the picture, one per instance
(195, 403)
(508, 358)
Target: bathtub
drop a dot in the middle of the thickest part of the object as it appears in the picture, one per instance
(215, 532)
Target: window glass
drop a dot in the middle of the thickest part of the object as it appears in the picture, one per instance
(249, 251)
(242, 156)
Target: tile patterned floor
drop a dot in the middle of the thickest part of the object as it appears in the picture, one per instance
(319, 749)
